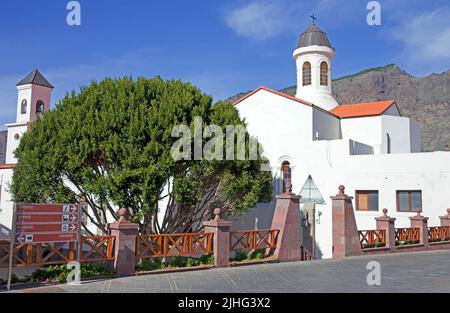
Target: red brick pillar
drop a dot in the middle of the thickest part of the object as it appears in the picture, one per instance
(345, 232)
(388, 224)
(445, 220)
(221, 230)
(125, 244)
(421, 222)
(286, 219)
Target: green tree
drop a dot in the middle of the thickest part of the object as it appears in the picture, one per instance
(110, 146)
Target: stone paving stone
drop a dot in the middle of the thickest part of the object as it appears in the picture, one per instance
(405, 272)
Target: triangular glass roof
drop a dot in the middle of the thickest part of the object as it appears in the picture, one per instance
(310, 193)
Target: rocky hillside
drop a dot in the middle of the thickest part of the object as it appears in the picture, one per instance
(424, 99)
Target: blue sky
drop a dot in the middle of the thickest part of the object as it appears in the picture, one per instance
(223, 47)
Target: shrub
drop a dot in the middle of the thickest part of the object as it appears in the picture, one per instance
(192, 262)
(240, 256)
(149, 264)
(208, 259)
(256, 255)
(178, 261)
(60, 272)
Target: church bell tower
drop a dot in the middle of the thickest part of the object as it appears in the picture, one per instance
(313, 57)
(33, 99)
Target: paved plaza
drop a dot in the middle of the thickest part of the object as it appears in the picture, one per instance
(403, 272)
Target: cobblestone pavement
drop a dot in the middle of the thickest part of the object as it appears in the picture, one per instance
(403, 272)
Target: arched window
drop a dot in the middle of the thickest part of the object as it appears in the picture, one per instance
(306, 74)
(286, 172)
(388, 137)
(40, 108)
(23, 107)
(324, 73)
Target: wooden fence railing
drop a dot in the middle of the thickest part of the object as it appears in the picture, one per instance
(94, 249)
(439, 233)
(407, 235)
(253, 239)
(372, 238)
(165, 245)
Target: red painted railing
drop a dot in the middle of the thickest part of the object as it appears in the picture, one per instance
(253, 239)
(372, 238)
(439, 233)
(164, 245)
(94, 249)
(407, 235)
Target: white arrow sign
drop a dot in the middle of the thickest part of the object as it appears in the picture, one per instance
(25, 239)
(72, 227)
(73, 218)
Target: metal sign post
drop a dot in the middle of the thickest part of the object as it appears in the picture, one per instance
(11, 248)
(79, 242)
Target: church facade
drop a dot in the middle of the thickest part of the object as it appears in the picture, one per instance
(368, 147)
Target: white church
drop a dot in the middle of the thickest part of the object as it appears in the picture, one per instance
(368, 147)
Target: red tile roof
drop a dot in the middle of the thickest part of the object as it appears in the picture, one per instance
(363, 109)
(7, 166)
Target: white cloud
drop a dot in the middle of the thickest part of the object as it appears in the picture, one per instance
(258, 20)
(426, 38)
(264, 19)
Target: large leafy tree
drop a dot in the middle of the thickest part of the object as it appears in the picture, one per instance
(110, 146)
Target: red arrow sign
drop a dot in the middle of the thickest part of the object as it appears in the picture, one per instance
(33, 228)
(46, 218)
(46, 208)
(39, 223)
(46, 237)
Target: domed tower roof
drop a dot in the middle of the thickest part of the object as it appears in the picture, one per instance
(313, 36)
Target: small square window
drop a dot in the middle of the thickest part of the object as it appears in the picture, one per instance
(409, 200)
(367, 200)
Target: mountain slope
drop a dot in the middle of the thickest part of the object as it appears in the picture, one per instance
(424, 99)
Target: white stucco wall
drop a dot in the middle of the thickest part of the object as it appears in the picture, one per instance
(373, 131)
(6, 205)
(24, 93)
(13, 142)
(366, 130)
(279, 123)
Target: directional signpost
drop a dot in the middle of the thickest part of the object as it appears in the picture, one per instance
(44, 223)
(39, 223)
